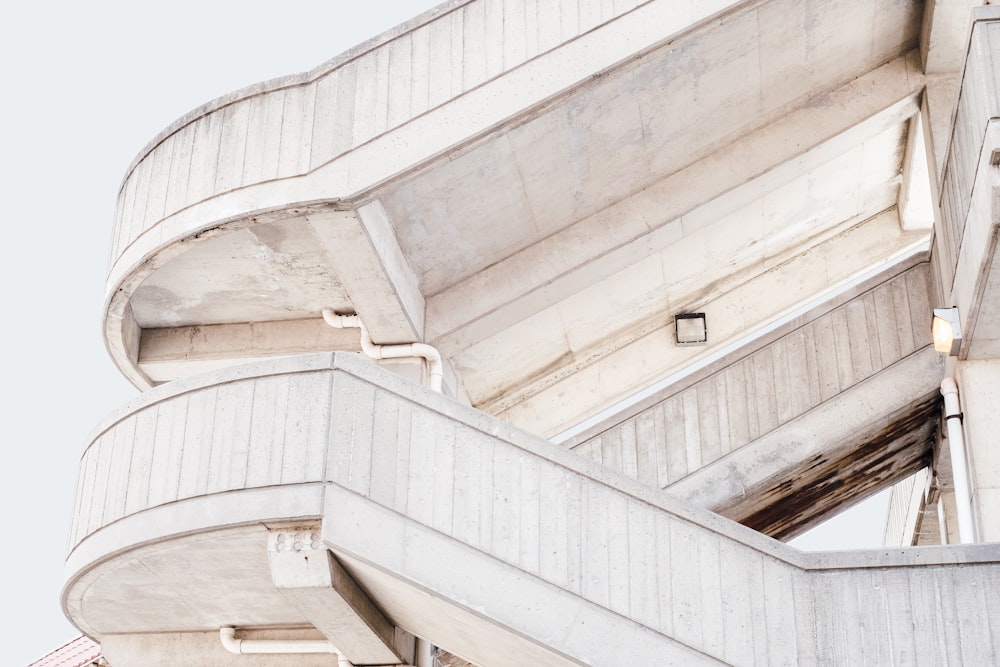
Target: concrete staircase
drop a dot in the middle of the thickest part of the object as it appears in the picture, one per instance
(783, 431)
(508, 550)
(496, 545)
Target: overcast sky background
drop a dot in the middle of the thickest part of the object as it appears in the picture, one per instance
(87, 85)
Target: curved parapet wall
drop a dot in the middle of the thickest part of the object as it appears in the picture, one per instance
(335, 134)
(442, 512)
(213, 435)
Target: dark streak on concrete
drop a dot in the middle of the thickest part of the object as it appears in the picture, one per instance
(822, 485)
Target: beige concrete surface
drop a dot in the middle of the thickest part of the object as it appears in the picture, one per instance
(510, 535)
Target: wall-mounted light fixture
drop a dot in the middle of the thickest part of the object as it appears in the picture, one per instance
(690, 328)
(946, 331)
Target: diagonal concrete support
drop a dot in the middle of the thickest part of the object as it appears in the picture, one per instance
(310, 577)
(532, 279)
(787, 480)
(378, 278)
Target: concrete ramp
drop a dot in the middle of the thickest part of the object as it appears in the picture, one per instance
(791, 426)
(496, 545)
(507, 550)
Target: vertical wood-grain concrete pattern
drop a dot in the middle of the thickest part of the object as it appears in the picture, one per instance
(684, 602)
(180, 169)
(135, 220)
(712, 594)
(618, 550)
(297, 114)
(529, 497)
(764, 388)
(205, 160)
(351, 424)
(738, 605)
(420, 489)
(124, 439)
(247, 433)
(232, 146)
(197, 456)
(168, 448)
(267, 430)
(668, 427)
(293, 126)
(161, 157)
(978, 102)
(264, 139)
(137, 492)
(506, 513)
(99, 470)
(805, 616)
(466, 466)
(503, 499)
(385, 429)
(642, 559)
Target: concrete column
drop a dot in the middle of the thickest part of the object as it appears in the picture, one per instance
(304, 570)
(979, 384)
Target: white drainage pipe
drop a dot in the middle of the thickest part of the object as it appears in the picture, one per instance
(959, 467)
(403, 351)
(278, 646)
(424, 653)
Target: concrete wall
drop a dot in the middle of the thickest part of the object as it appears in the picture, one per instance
(693, 577)
(291, 126)
(978, 102)
(766, 386)
(201, 438)
(426, 496)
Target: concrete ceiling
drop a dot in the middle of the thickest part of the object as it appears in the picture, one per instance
(740, 169)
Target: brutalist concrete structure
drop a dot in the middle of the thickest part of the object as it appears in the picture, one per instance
(414, 384)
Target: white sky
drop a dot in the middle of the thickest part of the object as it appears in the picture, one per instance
(86, 86)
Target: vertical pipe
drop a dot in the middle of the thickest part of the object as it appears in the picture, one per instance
(424, 656)
(959, 466)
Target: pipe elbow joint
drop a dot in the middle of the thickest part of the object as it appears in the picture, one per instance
(229, 641)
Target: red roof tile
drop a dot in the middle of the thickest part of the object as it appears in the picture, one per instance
(79, 652)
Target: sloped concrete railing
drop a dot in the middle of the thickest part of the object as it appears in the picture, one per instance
(758, 390)
(405, 467)
(234, 431)
(292, 126)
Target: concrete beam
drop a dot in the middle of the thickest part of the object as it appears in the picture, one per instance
(363, 249)
(171, 353)
(915, 203)
(560, 265)
(737, 306)
(306, 573)
(967, 236)
(937, 110)
(945, 31)
(480, 607)
(849, 417)
(976, 281)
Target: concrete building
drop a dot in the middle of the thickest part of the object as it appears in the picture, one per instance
(517, 334)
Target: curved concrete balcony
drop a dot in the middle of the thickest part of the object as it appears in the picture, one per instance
(501, 180)
(489, 542)
(308, 150)
(196, 463)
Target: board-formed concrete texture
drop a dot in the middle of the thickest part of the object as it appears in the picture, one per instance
(492, 543)
(533, 191)
(841, 401)
(421, 181)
